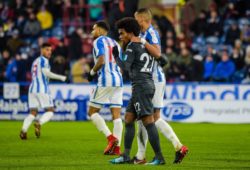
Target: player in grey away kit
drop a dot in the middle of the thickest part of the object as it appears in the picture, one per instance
(138, 63)
(149, 36)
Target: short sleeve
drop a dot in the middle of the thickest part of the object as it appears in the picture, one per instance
(45, 63)
(99, 47)
(127, 59)
(129, 54)
(153, 37)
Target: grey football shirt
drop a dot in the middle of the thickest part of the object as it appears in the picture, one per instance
(139, 64)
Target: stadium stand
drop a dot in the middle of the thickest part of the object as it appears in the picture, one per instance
(25, 25)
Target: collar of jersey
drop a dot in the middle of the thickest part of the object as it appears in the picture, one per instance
(43, 56)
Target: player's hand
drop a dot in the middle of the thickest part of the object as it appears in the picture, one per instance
(67, 80)
(115, 51)
(63, 78)
(162, 61)
(91, 75)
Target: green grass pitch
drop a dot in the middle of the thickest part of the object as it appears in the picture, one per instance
(78, 145)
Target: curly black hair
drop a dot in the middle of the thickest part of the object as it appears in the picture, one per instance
(129, 24)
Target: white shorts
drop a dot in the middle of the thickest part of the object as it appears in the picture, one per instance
(111, 96)
(40, 100)
(159, 95)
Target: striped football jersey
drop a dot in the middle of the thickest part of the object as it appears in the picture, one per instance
(39, 82)
(109, 75)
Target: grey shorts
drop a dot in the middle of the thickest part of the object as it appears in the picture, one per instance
(141, 103)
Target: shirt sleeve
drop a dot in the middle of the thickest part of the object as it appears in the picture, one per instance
(127, 58)
(153, 37)
(99, 48)
(51, 75)
(45, 63)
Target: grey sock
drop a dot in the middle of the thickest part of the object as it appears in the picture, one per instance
(154, 140)
(128, 138)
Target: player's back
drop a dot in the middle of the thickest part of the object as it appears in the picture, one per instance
(39, 82)
(141, 70)
(109, 74)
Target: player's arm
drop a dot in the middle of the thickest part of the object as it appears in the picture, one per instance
(125, 60)
(117, 56)
(153, 49)
(99, 50)
(100, 62)
(120, 63)
(46, 71)
(51, 75)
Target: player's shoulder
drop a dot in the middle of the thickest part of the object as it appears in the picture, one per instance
(44, 62)
(131, 46)
(40, 59)
(43, 59)
(114, 41)
(110, 41)
(135, 47)
(36, 59)
(152, 29)
(152, 32)
(152, 36)
(99, 40)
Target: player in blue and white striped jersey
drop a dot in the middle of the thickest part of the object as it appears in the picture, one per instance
(151, 40)
(109, 89)
(109, 75)
(39, 94)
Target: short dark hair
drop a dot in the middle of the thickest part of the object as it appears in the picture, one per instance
(46, 45)
(130, 25)
(102, 24)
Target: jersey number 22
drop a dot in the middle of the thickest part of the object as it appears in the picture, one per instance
(149, 62)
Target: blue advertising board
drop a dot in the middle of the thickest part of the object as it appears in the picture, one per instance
(17, 109)
(217, 103)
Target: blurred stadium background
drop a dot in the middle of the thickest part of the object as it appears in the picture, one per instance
(208, 73)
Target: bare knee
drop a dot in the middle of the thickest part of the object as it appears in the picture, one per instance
(93, 110)
(116, 113)
(50, 109)
(33, 112)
